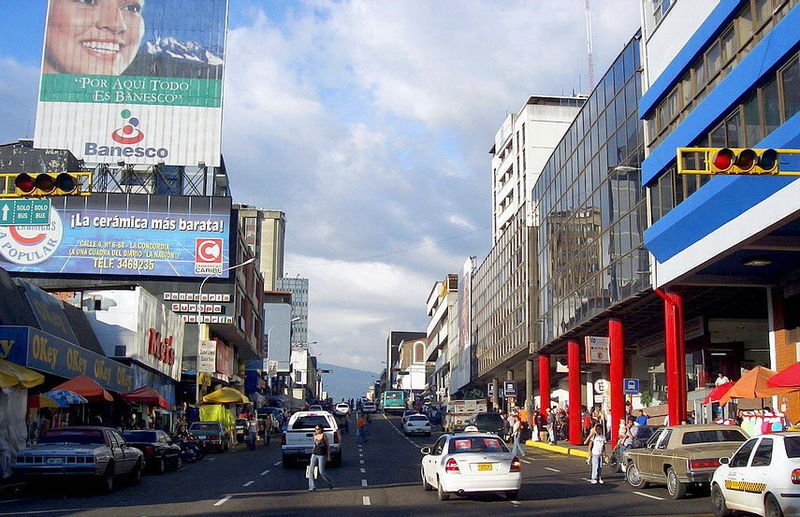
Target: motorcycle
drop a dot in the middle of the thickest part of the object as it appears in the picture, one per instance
(192, 448)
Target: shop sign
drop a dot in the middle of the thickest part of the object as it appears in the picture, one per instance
(31, 347)
(597, 350)
(207, 356)
(224, 359)
(510, 388)
(160, 348)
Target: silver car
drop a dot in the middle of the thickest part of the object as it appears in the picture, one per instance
(96, 453)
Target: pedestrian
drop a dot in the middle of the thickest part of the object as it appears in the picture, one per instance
(361, 424)
(597, 444)
(641, 419)
(551, 425)
(516, 431)
(252, 433)
(320, 455)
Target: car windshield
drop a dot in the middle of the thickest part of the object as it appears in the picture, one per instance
(82, 436)
(205, 426)
(140, 436)
(476, 444)
(488, 418)
(310, 422)
(713, 435)
(792, 444)
(417, 418)
(241, 421)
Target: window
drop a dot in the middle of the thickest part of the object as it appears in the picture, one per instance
(771, 105)
(743, 454)
(752, 121)
(792, 446)
(763, 455)
(438, 446)
(733, 130)
(712, 436)
(713, 59)
(728, 43)
(790, 80)
(662, 443)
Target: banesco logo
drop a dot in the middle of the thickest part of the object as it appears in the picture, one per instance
(129, 134)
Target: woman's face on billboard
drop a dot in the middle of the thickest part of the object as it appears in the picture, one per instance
(98, 37)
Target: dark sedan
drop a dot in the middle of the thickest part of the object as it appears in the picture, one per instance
(159, 450)
(489, 423)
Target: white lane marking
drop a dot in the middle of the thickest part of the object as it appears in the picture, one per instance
(548, 468)
(277, 463)
(222, 501)
(529, 462)
(361, 461)
(264, 473)
(360, 454)
(650, 496)
(366, 500)
(586, 479)
(363, 482)
(249, 483)
(514, 502)
(363, 471)
(213, 458)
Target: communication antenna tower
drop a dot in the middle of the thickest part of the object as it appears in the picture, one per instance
(589, 45)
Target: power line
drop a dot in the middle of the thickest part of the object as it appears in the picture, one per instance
(395, 252)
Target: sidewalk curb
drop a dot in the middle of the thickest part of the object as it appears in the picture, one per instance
(569, 451)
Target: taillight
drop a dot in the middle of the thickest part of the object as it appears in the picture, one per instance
(149, 449)
(336, 437)
(704, 464)
(516, 465)
(213, 437)
(796, 477)
(451, 466)
(283, 438)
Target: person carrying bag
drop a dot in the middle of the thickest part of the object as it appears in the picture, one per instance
(320, 454)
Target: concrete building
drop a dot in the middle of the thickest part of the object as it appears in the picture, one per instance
(723, 74)
(413, 366)
(393, 340)
(265, 233)
(299, 289)
(441, 326)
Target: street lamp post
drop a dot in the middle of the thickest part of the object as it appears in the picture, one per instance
(200, 323)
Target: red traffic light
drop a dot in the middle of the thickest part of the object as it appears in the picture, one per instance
(25, 183)
(723, 160)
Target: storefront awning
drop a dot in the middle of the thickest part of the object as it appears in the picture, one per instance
(15, 375)
(87, 388)
(147, 396)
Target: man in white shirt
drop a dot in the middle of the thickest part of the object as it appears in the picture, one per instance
(721, 379)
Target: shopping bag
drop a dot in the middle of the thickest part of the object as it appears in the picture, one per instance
(308, 472)
(316, 472)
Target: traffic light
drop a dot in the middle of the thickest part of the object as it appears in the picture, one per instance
(45, 184)
(744, 161)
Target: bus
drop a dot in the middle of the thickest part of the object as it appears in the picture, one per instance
(393, 401)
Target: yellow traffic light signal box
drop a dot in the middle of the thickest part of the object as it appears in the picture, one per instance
(46, 184)
(738, 161)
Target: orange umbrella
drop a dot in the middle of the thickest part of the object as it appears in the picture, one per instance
(753, 385)
(87, 387)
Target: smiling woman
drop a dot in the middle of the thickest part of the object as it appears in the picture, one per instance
(99, 37)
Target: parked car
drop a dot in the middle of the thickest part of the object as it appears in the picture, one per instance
(761, 477)
(241, 429)
(159, 450)
(96, 453)
(682, 456)
(315, 407)
(489, 423)
(275, 417)
(369, 407)
(213, 435)
(342, 409)
(469, 463)
(298, 439)
(407, 413)
(417, 424)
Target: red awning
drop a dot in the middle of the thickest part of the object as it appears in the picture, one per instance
(86, 387)
(147, 396)
(717, 393)
(786, 378)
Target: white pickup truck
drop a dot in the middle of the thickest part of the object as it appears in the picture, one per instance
(298, 439)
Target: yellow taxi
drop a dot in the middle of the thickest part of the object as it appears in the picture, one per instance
(762, 477)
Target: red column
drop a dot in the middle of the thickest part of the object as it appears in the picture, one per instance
(574, 364)
(675, 351)
(617, 367)
(544, 382)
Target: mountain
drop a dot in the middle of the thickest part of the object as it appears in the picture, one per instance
(178, 49)
(344, 383)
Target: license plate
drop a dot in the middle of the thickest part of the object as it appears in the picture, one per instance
(55, 461)
(484, 467)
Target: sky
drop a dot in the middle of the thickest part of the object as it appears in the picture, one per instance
(369, 123)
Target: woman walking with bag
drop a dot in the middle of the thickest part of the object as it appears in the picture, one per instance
(320, 454)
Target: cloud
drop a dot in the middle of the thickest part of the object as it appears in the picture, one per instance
(19, 85)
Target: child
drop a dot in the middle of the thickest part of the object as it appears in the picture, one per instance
(597, 444)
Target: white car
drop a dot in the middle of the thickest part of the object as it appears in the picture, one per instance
(342, 409)
(762, 477)
(417, 424)
(407, 413)
(369, 407)
(470, 462)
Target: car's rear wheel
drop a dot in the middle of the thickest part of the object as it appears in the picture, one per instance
(772, 507)
(161, 466)
(718, 505)
(107, 481)
(675, 488)
(428, 487)
(634, 477)
(443, 496)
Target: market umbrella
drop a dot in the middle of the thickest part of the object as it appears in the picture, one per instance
(147, 396)
(753, 385)
(41, 400)
(226, 396)
(64, 398)
(12, 374)
(786, 378)
(86, 387)
(717, 393)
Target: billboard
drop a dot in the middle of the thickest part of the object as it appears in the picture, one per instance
(139, 82)
(124, 234)
(461, 353)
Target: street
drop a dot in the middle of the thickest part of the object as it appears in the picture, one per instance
(380, 477)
